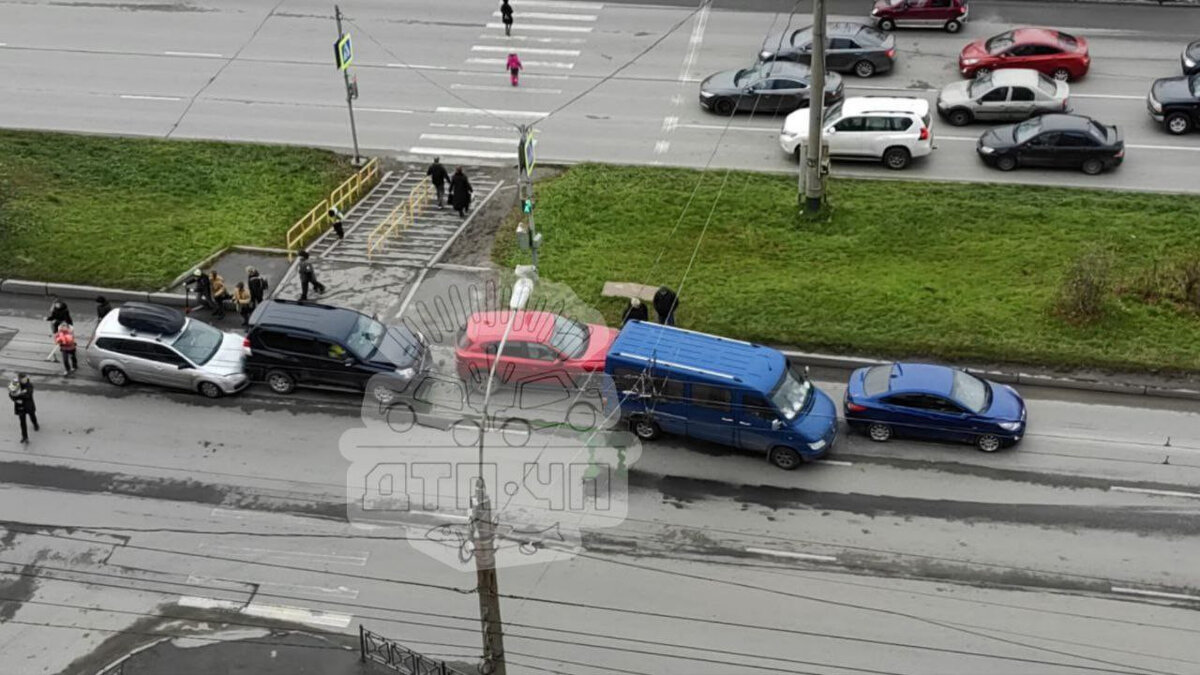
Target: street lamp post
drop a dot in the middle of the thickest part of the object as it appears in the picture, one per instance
(814, 189)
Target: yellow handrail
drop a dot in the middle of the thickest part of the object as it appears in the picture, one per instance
(317, 220)
(401, 218)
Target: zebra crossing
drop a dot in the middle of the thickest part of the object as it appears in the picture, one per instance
(549, 37)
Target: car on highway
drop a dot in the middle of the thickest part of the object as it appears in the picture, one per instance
(1048, 51)
(538, 343)
(933, 402)
(153, 344)
(1174, 102)
(850, 48)
(949, 15)
(773, 86)
(1190, 58)
(893, 130)
(1064, 141)
(664, 379)
(1002, 95)
(293, 343)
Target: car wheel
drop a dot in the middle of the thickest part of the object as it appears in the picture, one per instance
(723, 106)
(887, 24)
(953, 26)
(116, 376)
(1062, 74)
(864, 69)
(1092, 166)
(1006, 162)
(1178, 124)
(210, 390)
(982, 72)
(280, 382)
(880, 433)
(896, 158)
(988, 443)
(785, 458)
(959, 117)
(645, 429)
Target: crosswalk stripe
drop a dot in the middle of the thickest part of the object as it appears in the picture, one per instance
(561, 65)
(489, 111)
(526, 50)
(559, 4)
(528, 38)
(469, 139)
(484, 87)
(463, 152)
(538, 28)
(546, 16)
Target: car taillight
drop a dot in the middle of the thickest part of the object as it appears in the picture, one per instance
(854, 407)
(891, 53)
(1120, 153)
(246, 345)
(924, 134)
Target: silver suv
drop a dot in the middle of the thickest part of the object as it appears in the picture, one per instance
(140, 342)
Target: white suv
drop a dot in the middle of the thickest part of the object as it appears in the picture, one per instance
(891, 129)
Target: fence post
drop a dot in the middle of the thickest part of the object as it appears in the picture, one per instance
(362, 643)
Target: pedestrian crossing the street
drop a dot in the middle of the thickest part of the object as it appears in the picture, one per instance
(549, 36)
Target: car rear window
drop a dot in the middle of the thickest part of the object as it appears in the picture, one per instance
(1098, 130)
(877, 380)
(1067, 41)
(1049, 86)
(878, 36)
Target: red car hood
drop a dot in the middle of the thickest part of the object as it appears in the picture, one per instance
(974, 50)
(599, 344)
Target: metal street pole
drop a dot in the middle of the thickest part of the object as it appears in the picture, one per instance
(525, 182)
(337, 14)
(814, 189)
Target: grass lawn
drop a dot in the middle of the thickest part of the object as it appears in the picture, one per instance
(955, 271)
(134, 213)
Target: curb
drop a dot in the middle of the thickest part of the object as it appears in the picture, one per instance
(22, 287)
(1009, 377)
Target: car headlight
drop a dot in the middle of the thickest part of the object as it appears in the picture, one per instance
(1189, 61)
(874, 12)
(1010, 426)
(1155, 105)
(706, 94)
(986, 149)
(765, 56)
(970, 62)
(406, 373)
(818, 445)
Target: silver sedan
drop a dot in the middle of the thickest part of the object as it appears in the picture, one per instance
(1008, 95)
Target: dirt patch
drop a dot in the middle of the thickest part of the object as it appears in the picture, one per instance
(474, 246)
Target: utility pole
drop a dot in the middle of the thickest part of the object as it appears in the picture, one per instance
(344, 54)
(528, 236)
(814, 188)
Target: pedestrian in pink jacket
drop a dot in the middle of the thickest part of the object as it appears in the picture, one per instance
(514, 67)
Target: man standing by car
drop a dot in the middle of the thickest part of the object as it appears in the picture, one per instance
(59, 314)
(438, 176)
(20, 391)
(665, 305)
(257, 284)
(308, 277)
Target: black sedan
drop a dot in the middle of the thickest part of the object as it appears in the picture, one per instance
(1175, 102)
(1071, 141)
(1190, 58)
(765, 88)
(851, 48)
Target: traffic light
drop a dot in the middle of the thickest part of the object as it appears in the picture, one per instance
(527, 206)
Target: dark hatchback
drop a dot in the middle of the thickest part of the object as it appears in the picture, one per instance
(1175, 103)
(1065, 141)
(851, 48)
(771, 87)
(293, 343)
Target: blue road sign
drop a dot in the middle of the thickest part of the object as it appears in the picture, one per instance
(343, 52)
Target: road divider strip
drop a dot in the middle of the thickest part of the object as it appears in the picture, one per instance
(789, 554)
(1148, 491)
(1155, 594)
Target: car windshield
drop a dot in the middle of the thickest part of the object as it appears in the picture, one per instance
(802, 37)
(364, 338)
(999, 43)
(746, 75)
(1195, 85)
(198, 342)
(1049, 86)
(570, 337)
(791, 395)
(834, 113)
(1067, 41)
(981, 85)
(1027, 129)
(970, 392)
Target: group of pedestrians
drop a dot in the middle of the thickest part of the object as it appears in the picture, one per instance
(212, 293)
(460, 187)
(666, 303)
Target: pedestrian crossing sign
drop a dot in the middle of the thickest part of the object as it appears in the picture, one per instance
(343, 52)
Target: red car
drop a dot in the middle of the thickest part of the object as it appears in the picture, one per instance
(947, 14)
(1054, 53)
(539, 343)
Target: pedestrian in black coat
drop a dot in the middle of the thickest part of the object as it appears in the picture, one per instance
(438, 176)
(636, 311)
(103, 307)
(308, 277)
(59, 314)
(257, 284)
(460, 192)
(506, 15)
(20, 391)
(665, 305)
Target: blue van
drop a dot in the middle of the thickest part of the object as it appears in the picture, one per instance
(667, 379)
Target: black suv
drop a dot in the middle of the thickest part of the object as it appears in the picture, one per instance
(293, 343)
(1175, 102)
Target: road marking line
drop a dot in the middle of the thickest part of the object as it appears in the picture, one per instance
(439, 514)
(463, 152)
(339, 592)
(1118, 96)
(694, 42)
(661, 147)
(134, 97)
(530, 50)
(206, 55)
(732, 127)
(487, 111)
(561, 65)
(540, 40)
(559, 4)
(528, 78)
(240, 514)
(386, 110)
(484, 87)
(312, 617)
(492, 127)
(956, 138)
(1163, 147)
(469, 139)
(357, 559)
(537, 28)
(548, 16)
(1156, 594)
(1162, 493)
(417, 66)
(669, 124)
(789, 554)
(834, 462)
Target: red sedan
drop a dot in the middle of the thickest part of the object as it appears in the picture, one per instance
(1054, 53)
(539, 343)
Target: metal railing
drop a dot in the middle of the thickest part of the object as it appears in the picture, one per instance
(401, 218)
(316, 221)
(375, 647)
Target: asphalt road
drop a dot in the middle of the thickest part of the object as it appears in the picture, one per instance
(432, 82)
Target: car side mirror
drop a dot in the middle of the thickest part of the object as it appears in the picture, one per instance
(348, 361)
(776, 424)
(831, 131)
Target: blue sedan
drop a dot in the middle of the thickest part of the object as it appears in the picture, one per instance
(935, 402)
